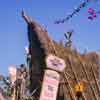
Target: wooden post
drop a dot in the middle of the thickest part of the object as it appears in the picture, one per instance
(71, 92)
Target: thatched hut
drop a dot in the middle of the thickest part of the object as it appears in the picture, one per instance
(78, 66)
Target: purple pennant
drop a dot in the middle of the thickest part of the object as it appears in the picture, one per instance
(90, 17)
(62, 21)
(56, 22)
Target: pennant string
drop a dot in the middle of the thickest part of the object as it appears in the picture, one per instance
(73, 13)
(82, 5)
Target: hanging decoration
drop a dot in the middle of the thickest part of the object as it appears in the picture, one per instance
(76, 10)
(68, 37)
(92, 13)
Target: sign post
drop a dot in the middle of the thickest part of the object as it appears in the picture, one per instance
(51, 77)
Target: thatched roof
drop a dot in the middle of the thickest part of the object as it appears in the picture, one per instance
(78, 66)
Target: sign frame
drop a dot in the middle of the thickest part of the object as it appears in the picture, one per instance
(55, 63)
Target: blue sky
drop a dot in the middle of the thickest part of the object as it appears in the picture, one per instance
(13, 29)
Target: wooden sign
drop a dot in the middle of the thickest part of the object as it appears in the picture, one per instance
(50, 85)
(56, 63)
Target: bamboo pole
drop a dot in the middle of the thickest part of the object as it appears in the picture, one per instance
(65, 96)
(83, 67)
(71, 92)
(97, 85)
(26, 17)
(75, 76)
(69, 75)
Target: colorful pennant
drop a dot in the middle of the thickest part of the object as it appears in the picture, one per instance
(76, 10)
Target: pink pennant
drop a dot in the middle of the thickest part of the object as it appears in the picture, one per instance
(91, 11)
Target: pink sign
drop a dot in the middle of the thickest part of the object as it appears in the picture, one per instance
(50, 85)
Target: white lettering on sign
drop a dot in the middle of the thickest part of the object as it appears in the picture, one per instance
(55, 63)
(50, 85)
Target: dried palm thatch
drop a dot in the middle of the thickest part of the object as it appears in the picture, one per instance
(78, 66)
